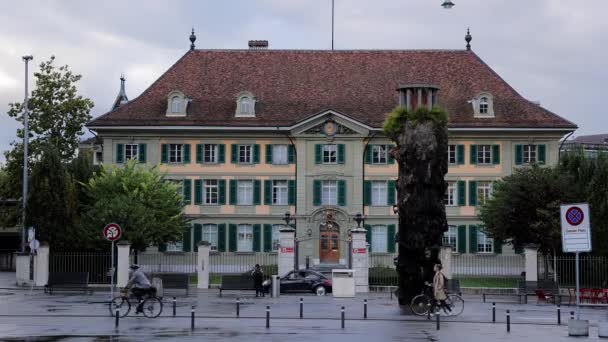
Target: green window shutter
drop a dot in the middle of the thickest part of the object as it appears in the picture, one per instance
(142, 153)
(542, 154)
(367, 192)
(368, 154)
(390, 158)
(267, 238)
(232, 236)
(291, 154)
(164, 153)
(221, 191)
(473, 154)
(232, 185)
(368, 235)
(472, 193)
(256, 154)
(462, 193)
(257, 238)
(462, 239)
(198, 235)
(198, 191)
(341, 192)
(187, 241)
(162, 247)
(199, 153)
(318, 153)
(341, 155)
(291, 192)
(221, 158)
(497, 247)
(519, 154)
(390, 188)
(234, 154)
(221, 237)
(268, 154)
(268, 192)
(256, 192)
(460, 154)
(472, 239)
(187, 185)
(495, 154)
(316, 196)
(120, 153)
(390, 238)
(186, 153)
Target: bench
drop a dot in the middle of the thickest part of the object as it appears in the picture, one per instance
(180, 281)
(236, 282)
(528, 288)
(68, 281)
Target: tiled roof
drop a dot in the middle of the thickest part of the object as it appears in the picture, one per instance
(596, 139)
(290, 85)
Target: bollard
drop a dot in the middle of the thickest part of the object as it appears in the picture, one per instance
(571, 314)
(559, 315)
(174, 306)
(192, 318)
(365, 308)
(508, 321)
(428, 310)
(483, 295)
(493, 312)
(437, 319)
(391, 291)
(301, 307)
(238, 307)
(117, 318)
(267, 317)
(342, 317)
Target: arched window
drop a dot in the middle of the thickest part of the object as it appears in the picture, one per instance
(483, 105)
(245, 102)
(175, 104)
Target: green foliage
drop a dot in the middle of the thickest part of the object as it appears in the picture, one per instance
(140, 200)
(396, 120)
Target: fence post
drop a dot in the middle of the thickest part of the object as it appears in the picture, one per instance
(359, 255)
(122, 263)
(531, 259)
(202, 265)
(41, 265)
(286, 253)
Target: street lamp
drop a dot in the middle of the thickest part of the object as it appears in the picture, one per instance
(26, 136)
(359, 218)
(287, 218)
(447, 4)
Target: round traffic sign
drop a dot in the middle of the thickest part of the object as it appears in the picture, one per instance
(575, 216)
(111, 231)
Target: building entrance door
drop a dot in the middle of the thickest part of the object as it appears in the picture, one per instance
(329, 247)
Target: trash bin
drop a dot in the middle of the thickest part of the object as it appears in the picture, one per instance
(343, 283)
(276, 286)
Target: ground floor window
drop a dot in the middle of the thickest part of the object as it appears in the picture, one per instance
(210, 235)
(484, 243)
(450, 237)
(379, 239)
(176, 246)
(276, 236)
(245, 238)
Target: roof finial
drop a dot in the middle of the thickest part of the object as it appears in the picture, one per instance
(122, 94)
(192, 39)
(468, 38)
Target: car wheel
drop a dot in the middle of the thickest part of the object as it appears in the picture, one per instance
(320, 290)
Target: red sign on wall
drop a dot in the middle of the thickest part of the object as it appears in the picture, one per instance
(286, 249)
(359, 250)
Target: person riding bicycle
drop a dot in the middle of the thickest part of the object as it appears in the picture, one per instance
(439, 291)
(139, 285)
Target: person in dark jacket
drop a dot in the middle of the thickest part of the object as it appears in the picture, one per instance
(258, 279)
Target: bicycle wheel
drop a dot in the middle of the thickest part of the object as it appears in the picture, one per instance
(420, 305)
(152, 307)
(456, 303)
(122, 304)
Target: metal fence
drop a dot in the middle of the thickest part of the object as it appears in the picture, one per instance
(7, 260)
(488, 271)
(97, 264)
(382, 270)
(158, 262)
(234, 263)
(593, 270)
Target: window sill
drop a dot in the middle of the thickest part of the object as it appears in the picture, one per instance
(279, 205)
(486, 165)
(280, 164)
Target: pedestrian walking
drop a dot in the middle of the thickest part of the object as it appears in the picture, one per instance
(258, 279)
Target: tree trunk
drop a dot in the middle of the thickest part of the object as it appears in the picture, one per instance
(421, 153)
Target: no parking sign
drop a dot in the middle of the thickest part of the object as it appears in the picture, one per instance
(576, 228)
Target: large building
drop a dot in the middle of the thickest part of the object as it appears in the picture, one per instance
(252, 134)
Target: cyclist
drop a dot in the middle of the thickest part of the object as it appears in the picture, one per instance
(139, 285)
(439, 291)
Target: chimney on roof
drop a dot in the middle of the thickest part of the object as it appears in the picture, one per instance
(258, 44)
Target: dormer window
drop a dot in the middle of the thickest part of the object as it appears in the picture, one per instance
(245, 105)
(483, 106)
(177, 103)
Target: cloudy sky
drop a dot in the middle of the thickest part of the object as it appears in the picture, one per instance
(552, 51)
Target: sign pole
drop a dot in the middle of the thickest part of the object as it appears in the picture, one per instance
(112, 274)
(578, 290)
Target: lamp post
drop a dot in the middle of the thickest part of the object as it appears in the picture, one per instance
(359, 219)
(26, 137)
(287, 218)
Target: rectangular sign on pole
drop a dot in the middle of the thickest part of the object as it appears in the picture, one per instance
(576, 228)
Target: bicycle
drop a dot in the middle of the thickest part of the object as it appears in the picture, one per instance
(421, 304)
(152, 306)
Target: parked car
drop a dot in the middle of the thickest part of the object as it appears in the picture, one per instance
(303, 281)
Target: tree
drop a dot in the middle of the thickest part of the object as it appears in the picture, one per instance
(52, 205)
(422, 143)
(524, 207)
(146, 206)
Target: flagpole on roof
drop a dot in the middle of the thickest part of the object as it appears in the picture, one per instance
(332, 25)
